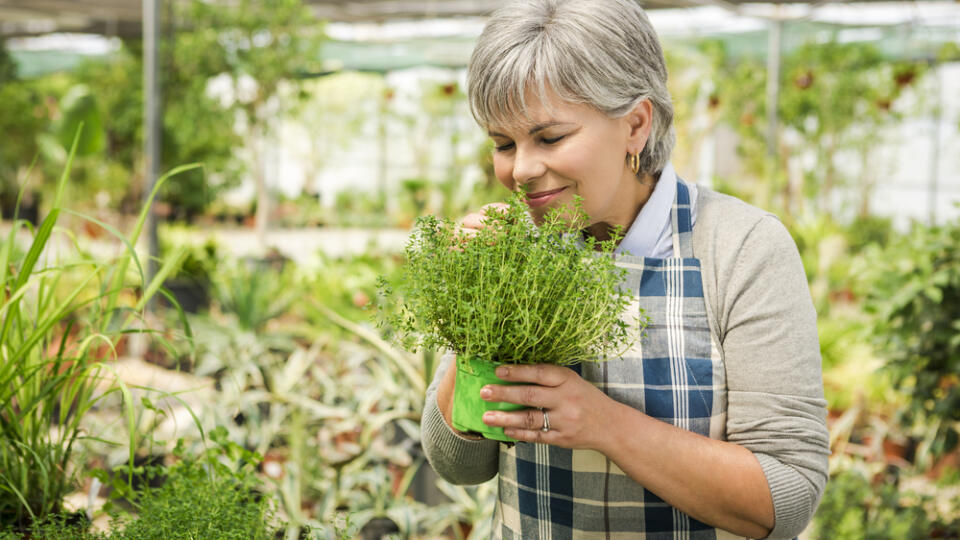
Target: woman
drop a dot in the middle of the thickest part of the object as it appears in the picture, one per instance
(714, 425)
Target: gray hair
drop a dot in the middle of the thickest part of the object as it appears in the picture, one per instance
(603, 53)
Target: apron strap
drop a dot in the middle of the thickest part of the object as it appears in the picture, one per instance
(680, 221)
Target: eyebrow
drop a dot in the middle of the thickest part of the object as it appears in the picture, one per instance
(533, 130)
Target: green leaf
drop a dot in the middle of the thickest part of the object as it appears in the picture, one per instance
(78, 108)
(934, 294)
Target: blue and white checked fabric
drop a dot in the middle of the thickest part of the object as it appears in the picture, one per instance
(675, 374)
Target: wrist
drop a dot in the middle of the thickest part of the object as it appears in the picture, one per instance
(609, 438)
(629, 424)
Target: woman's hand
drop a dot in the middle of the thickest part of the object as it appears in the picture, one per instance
(572, 404)
(714, 481)
(471, 224)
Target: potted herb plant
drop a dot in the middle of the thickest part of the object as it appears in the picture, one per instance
(514, 293)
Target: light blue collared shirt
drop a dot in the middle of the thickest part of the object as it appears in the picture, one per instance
(650, 234)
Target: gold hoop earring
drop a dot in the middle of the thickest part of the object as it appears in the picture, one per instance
(635, 163)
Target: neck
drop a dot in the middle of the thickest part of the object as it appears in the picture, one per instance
(641, 190)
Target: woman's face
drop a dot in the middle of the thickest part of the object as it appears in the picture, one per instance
(572, 149)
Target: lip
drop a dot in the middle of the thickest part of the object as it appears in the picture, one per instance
(541, 198)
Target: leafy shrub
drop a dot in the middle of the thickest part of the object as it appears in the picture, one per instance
(214, 496)
(190, 284)
(60, 527)
(912, 288)
(515, 292)
(253, 292)
(867, 230)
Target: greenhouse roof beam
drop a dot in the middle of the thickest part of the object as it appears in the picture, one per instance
(123, 18)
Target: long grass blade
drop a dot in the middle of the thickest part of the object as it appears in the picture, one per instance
(46, 228)
(45, 325)
(129, 414)
(11, 486)
(141, 220)
(23, 189)
(114, 232)
(58, 198)
(180, 313)
(169, 266)
(404, 363)
(43, 234)
(33, 255)
(11, 238)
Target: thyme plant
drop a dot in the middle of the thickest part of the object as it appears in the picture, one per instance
(514, 292)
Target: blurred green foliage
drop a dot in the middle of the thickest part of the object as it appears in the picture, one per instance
(261, 46)
(252, 295)
(214, 495)
(834, 99)
(854, 508)
(8, 69)
(912, 289)
(21, 120)
(78, 107)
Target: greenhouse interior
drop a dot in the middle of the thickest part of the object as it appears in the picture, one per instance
(205, 206)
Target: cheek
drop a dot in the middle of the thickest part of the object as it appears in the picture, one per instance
(503, 169)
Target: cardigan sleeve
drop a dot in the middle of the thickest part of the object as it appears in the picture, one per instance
(456, 459)
(767, 327)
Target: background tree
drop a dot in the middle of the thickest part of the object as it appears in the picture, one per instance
(8, 70)
(835, 99)
(261, 46)
(257, 46)
(22, 117)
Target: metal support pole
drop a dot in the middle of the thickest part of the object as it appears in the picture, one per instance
(774, 46)
(382, 156)
(935, 151)
(152, 119)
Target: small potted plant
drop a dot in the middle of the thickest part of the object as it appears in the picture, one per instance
(514, 293)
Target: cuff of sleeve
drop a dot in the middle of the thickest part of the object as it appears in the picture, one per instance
(792, 500)
(455, 458)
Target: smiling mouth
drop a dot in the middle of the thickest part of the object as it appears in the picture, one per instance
(541, 198)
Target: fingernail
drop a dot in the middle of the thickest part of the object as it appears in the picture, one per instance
(502, 371)
(489, 418)
(485, 392)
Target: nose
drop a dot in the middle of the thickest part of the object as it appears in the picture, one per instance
(528, 165)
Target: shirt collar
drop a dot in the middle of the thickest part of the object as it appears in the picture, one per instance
(645, 231)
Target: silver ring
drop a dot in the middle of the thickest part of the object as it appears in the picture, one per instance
(546, 421)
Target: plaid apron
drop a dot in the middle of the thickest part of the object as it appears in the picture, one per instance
(675, 374)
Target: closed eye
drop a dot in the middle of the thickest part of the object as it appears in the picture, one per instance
(503, 147)
(552, 140)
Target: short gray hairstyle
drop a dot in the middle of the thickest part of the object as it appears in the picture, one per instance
(604, 53)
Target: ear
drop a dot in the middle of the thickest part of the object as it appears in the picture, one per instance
(639, 123)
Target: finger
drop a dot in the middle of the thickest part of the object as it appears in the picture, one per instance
(475, 220)
(460, 237)
(490, 208)
(472, 221)
(529, 395)
(464, 234)
(532, 435)
(542, 374)
(527, 419)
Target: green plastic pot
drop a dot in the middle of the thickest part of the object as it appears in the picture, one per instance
(473, 374)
